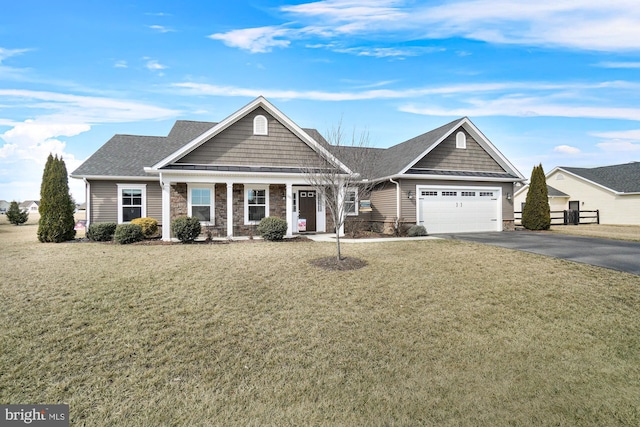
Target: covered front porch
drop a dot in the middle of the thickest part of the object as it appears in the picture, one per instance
(233, 206)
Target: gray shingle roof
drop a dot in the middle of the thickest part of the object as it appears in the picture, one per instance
(554, 192)
(128, 155)
(623, 178)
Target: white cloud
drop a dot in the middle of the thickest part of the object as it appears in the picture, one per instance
(613, 25)
(24, 147)
(566, 149)
(8, 53)
(619, 146)
(154, 65)
(608, 64)
(69, 108)
(162, 29)
(121, 64)
(633, 134)
(530, 106)
(255, 40)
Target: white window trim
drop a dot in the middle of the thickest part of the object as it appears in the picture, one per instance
(257, 125)
(212, 210)
(461, 140)
(143, 187)
(248, 187)
(356, 201)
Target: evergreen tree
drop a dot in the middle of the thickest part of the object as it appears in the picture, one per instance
(56, 205)
(536, 214)
(15, 215)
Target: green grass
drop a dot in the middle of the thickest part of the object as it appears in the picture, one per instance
(428, 333)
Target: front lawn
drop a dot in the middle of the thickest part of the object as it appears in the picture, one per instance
(435, 332)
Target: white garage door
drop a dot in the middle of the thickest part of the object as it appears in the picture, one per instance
(459, 209)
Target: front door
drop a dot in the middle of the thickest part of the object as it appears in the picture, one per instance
(307, 208)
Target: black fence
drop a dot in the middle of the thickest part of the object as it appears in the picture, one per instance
(567, 217)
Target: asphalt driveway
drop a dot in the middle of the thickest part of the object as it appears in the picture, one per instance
(615, 254)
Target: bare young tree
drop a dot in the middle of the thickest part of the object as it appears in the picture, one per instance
(348, 170)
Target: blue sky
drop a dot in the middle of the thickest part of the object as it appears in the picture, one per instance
(551, 82)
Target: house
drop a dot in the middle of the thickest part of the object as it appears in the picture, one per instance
(4, 206)
(31, 206)
(232, 173)
(613, 190)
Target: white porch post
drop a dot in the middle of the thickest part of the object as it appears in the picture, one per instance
(289, 203)
(166, 209)
(229, 209)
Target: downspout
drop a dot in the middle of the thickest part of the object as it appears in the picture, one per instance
(398, 201)
(87, 201)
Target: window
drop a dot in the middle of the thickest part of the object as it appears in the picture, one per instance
(351, 202)
(429, 193)
(449, 193)
(260, 125)
(461, 140)
(200, 203)
(468, 193)
(486, 194)
(256, 204)
(131, 202)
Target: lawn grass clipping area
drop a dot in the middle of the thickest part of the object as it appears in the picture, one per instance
(433, 332)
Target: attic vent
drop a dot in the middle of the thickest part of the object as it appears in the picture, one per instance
(461, 140)
(559, 177)
(260, 126)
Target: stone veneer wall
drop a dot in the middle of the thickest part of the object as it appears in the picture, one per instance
(277, 207)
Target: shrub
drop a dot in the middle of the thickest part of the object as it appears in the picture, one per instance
(56, 222)
(149, 226)
(128, 233)
(186, 228)
(272, 228)
(536, 214)
(15, 215)
(101, 231)
(417, 230)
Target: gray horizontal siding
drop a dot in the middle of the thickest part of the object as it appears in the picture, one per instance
(237, 145)
(104, 200)
(447, 157)
(383, 202)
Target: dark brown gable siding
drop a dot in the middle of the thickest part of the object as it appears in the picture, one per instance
(104, 200)
(238, 146)
(447, 157)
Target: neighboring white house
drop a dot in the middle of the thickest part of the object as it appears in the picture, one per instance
(613, 190)
(4, 206)
(31, 206)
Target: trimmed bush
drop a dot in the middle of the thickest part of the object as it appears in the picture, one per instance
(272, 228)
(186, 228)
(101, 231)
(417, 230)
(128, 233)
(536, 213)
(149, 226)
